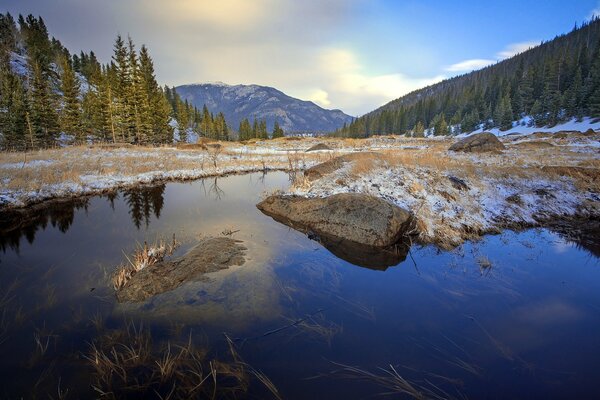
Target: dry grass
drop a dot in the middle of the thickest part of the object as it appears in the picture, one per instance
(41, 170)
(143, 257)
(394, 383)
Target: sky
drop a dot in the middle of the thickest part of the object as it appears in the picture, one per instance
(353, 55)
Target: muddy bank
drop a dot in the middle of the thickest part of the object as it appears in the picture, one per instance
(210, 255)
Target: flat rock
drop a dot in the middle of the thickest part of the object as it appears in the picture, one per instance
(478, 143)
(354, 217)
(210, 255)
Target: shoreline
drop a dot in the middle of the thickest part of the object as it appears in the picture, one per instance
(454, 196)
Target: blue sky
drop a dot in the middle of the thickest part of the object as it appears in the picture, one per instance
(350, 54)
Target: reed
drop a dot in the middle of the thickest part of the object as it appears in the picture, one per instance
(143, 257)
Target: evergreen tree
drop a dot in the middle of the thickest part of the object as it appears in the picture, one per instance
(419, 129)
(70, 114)
(277, 131)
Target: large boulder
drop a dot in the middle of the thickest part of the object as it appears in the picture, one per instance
(210, 255)
(353, 217)
(478, 143)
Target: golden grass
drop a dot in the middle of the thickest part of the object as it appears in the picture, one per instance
(143, 257)
(78, 164)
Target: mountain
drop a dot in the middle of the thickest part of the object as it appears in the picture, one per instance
(557, 81)
(262, 102)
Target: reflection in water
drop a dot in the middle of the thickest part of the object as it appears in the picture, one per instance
(584, 233)
(15, 224)
(366, 256)
(528, 325)
(143, 202)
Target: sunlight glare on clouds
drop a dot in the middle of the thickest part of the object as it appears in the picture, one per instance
(320, 97)
(230, 14)
(349, 82)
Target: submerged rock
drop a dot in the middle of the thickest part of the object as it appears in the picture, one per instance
(478, 143)
(353, 217)
(210, 255)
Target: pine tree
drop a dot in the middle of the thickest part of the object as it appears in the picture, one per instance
(43, 117)
(13, 110)
(419, 129)
(70, 114)
(277, 131)
(121, 84)
(440, 126)
(155, 108)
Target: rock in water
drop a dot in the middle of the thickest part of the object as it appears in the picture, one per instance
(478, 143)
(210, 255)
(353, 217)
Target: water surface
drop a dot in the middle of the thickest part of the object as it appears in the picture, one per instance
(524, 327)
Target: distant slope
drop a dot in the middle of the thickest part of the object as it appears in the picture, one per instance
(553, 82)
(262, 102)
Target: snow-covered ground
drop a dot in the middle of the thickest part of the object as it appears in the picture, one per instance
(418, 180)
(447, 214)
(525, 127)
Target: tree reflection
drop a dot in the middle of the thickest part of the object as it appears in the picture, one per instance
(143, 202)
(15, 224)
(25, 223)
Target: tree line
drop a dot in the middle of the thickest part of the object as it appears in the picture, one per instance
(48, 95)
(553, 82)
(258, 130)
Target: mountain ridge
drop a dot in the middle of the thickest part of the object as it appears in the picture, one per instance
(259, 102)
(553, 82)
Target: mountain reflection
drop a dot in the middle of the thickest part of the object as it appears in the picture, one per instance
(143, 203)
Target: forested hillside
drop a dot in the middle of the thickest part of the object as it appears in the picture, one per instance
(553, 82)
(49, 96)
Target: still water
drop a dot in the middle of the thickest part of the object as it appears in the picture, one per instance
(515, 315)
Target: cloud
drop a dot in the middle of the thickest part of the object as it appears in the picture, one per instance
(469, 65)
(320, 97)
(478, 63)
(595, 12)
(515, 48)
(348, 81)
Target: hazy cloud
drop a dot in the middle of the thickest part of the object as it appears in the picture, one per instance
(595, 12)
(515, 48)
(469, 65)
(478, 63)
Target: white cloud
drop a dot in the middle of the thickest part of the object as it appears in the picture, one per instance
(515, 48)
(595, 12)
(477, 63)
(320, 97)
(469, 65)
(348, 81)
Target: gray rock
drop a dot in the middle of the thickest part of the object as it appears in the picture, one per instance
(210, 255)
(353, 217)
(478, 143)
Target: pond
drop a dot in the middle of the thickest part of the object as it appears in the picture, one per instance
(515, 315)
